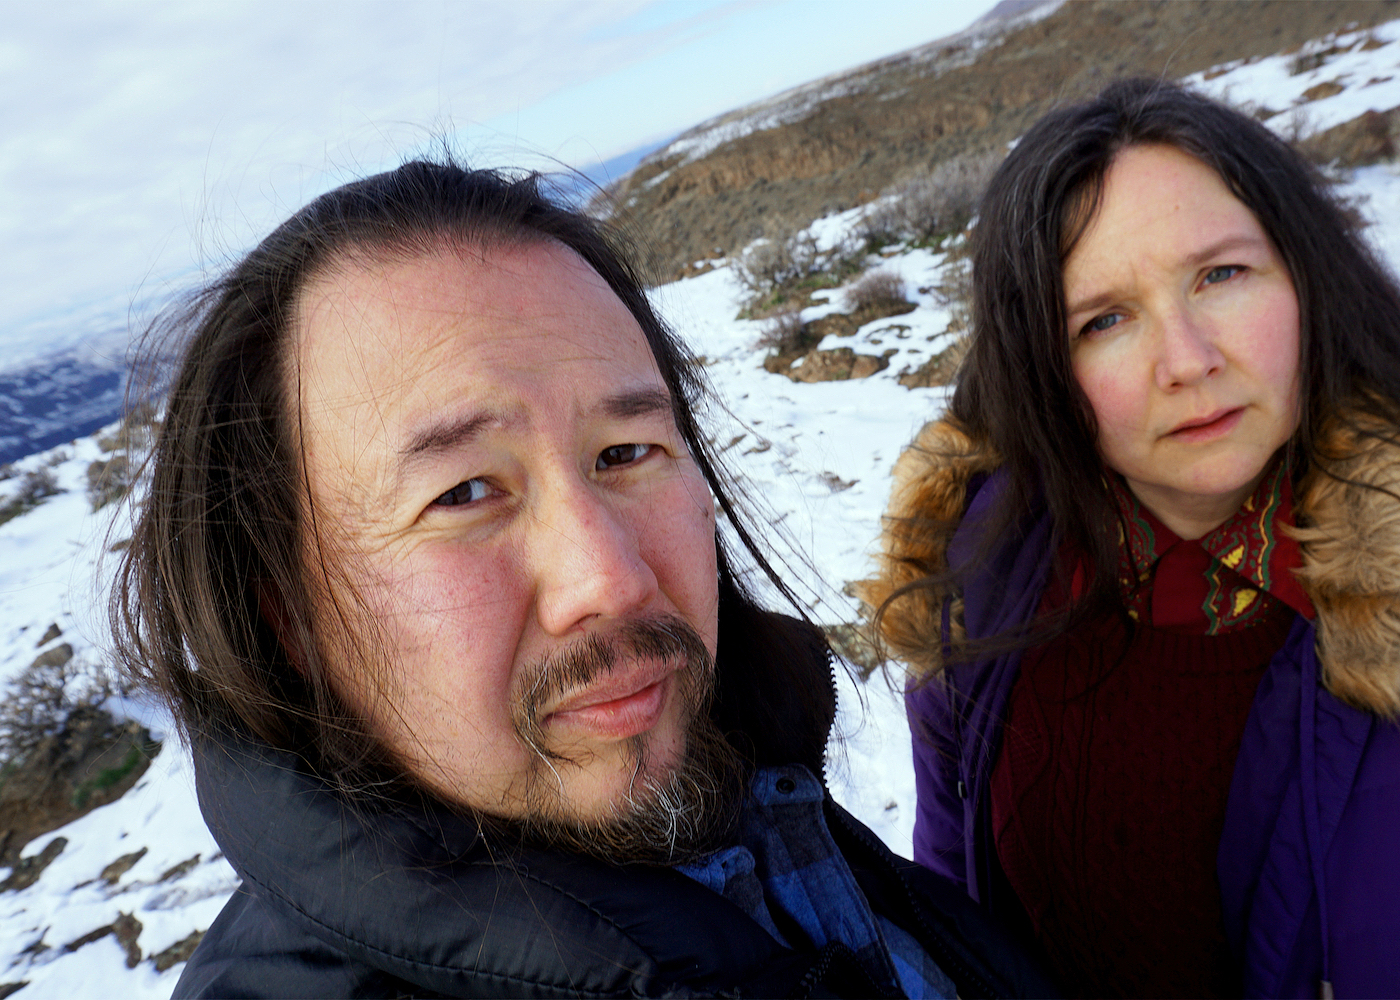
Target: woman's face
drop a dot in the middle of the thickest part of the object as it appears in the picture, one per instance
(1183, 327)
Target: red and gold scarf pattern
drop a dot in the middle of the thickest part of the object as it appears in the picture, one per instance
(1230, 579)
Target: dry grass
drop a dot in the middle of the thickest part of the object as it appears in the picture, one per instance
(34, 488)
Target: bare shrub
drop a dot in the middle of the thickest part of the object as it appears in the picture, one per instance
(882, 223)
(777, 262)
(35, 706)
(1299, 124)
(108, 480)
(954, 293)
(111, 479)
(34, 488)
(40, 699)
(782, 332)
(1305, 62)
(38, 485)
(779, 268)
(876, 289)
(931, 206)
(136, 431)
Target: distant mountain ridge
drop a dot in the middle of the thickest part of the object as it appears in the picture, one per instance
(55, 400)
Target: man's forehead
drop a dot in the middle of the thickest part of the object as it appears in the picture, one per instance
(407, 352)
(419, 303)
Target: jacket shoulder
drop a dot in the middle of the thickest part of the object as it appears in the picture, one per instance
(928, 496)
(251, 951)
(1348, 515)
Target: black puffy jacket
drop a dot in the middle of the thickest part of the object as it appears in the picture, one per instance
(341, 901)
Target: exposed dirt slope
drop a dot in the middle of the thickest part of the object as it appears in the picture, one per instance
(889, 120)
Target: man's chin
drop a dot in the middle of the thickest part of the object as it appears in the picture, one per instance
(666, 795)
(648, 813)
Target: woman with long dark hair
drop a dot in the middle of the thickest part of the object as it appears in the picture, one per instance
(1146, 571)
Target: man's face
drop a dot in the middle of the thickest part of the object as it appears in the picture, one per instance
(502, 496)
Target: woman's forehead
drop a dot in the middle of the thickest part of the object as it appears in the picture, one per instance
(1161, 205)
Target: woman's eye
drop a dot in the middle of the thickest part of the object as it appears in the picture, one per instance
(1101, 323)
(1223, 273)
(464, 493)
(621, 454)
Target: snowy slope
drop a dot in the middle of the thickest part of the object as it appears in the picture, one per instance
(815, 458)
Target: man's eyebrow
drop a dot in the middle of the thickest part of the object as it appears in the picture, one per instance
(638, 403)
(445, 436)
(455, 432)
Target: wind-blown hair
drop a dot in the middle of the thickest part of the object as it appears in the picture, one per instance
(217, 596)
(1017, 394)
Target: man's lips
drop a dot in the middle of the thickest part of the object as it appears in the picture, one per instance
(1207, 428)
(618, 705)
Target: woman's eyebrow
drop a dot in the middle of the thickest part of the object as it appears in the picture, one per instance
(1236, 241)
(1239, 241)
(1093, 304)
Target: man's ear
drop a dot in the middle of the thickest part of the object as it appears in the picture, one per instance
(273, 609)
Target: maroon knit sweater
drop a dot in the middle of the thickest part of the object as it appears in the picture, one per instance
(1108, 794)
(1108, 799)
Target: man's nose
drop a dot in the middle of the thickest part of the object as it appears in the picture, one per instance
(588, 559)
(1186, 352)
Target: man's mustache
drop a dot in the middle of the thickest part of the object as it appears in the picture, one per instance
(666, 638)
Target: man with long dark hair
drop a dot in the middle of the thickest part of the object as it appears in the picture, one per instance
(429, 576)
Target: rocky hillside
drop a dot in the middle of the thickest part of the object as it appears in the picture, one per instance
(839, 142)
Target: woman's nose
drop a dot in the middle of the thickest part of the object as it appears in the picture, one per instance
(589, 562)
(1187, 350)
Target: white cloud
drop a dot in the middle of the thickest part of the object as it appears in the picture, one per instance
(139, 140)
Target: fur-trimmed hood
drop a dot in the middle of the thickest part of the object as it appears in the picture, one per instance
(1348, 528)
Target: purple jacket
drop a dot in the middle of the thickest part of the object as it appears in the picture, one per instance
(1309, 859)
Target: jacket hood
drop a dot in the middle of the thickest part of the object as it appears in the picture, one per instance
(419, 891)
(1348, 528)
(420, 894)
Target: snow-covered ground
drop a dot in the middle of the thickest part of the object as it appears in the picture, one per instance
(813, 458)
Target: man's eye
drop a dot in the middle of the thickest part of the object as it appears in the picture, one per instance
(1223, 273)
(621, 454)
(464, 493)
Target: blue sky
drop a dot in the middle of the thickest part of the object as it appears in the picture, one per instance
(143, 141)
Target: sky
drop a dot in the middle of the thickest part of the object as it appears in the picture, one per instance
(143, 144)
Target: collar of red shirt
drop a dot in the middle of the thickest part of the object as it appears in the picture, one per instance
(1227, 580)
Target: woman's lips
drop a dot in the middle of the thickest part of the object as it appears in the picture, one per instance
(1207, 428)
(614, 710)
